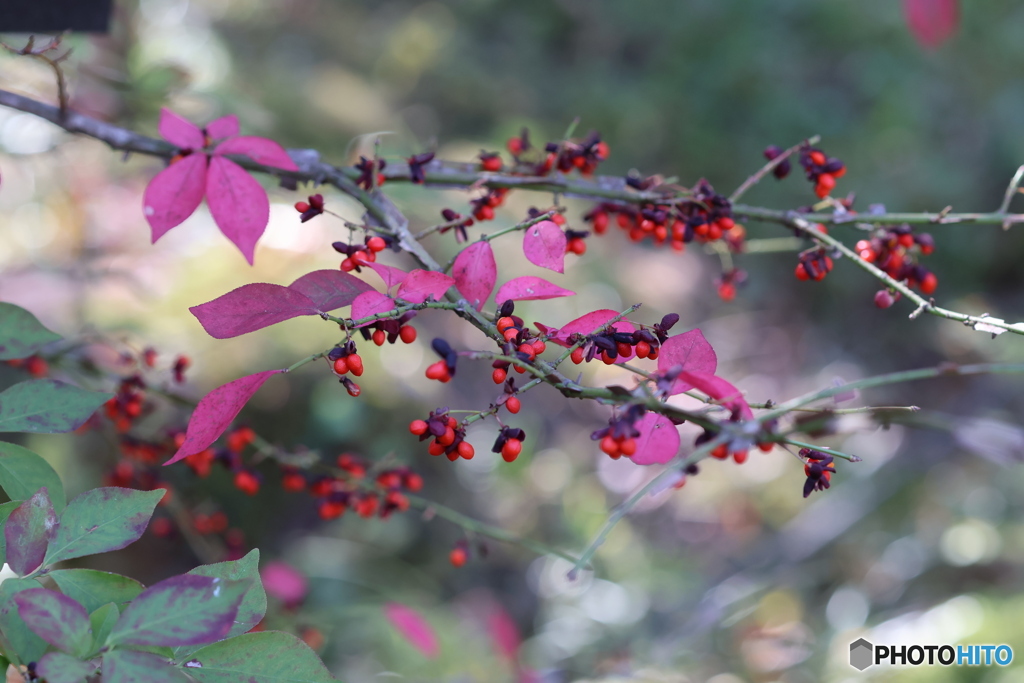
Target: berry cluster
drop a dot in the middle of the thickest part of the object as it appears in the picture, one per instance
(448, 435)
(609, 344)
(618, 439)
(344, 359)
(350, 490)
(484, 206)
(127, 404)
(456, 222)
(895, 249)
(814, 264)
(360, 254)
(821, 170)
(728, 281)
(390, 330)
(818, 468)
(566, 155)
(34, 365)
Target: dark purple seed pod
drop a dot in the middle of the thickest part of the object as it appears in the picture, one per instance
(340, 247)
(772, 151)
(668, 321)
(441, 347)
(335, 353)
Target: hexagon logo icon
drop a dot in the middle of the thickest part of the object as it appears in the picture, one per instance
(861, 654)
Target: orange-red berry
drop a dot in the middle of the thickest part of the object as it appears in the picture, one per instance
(407, 334)
(513, 404)
(418, 427)
(511, 450)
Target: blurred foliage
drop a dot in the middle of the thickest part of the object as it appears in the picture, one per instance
(734, 578)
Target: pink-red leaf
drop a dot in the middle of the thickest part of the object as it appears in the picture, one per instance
(330, 289)
(720, 390)
(260, 150)
(251, 307)
(530, 288)
(690, 351)
(475, 273)
(414, 628)
(370, 303)
(216, 411)
(224, 127)
(180, 131)
(174, 194)
(421, 285)
(238, 203)
(932, 21)
(658, 441)
(504, 632)
(544, 246)
(390, 276)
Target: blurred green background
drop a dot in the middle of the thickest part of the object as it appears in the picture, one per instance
(736, 577)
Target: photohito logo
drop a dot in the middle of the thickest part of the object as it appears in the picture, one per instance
(864, 654)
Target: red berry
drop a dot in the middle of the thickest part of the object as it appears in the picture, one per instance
(466, 450)
(484, 213)
(721, 452)
(435, 448)
(511, 450)
(514, 146)
(36, 366)
(448, 438)
(539, 347)
(601, 150)
(498, 375)
(418, 427)
(379, 337)
(458, 556)
(610, 446)
(513, 404)
(376, 243)
(341, 366)
(438, 371)
(600, 222)
(352, 388)
(801, 272)
(818, 158)
(407, 333)
(653, 355)
(929, 283)
(293, 482)
(727, 291)
(348, 265)
(577, 355)
(330, 510)
(825, 185)
(884, 299)
(355, 364)
(627, 447)
(765, 446)
(246, 482)
(740, 456)
(643, 349)
(301, 207)
(906, 240)
(413, 481)
(510, 333)
(491, 163)
(504, 323)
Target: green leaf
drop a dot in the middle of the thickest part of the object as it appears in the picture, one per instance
(21, 334)
(5, 511)
(181, 610)
(264, 657)
(57, 619)
(27, 645)
(102, 623)
(28, 530)
(94, 588)
(57, 667)
(47, 406)
(129, 666)
(254, 602)
(102, 520)
(22, 473)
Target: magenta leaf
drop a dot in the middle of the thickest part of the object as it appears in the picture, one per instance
(174, 194)
(330, 289)
(224, 127)
(370, 303)
(180, 131)
(690, 351)
(238, 203)
(390, 276)
(260, 150)
(932, 21)
(216, 411)
(475, 273)
(504, 632)
(414, 628)
(183, 610)
(57, 619)
(530, 288)
(544, 246)
(720, 390)
(28, 530)
(251, 307)
(658, 441)
(420, 285)
(587, 324)
(284, 582)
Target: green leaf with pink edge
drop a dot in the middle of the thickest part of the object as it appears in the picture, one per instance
(182, 610)
(27, 532)
(130, 666)
(21, 333)
(243, 659)
(57, 619)
(101, 520)
(57, 667)
(94, 588)
(47, 406)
